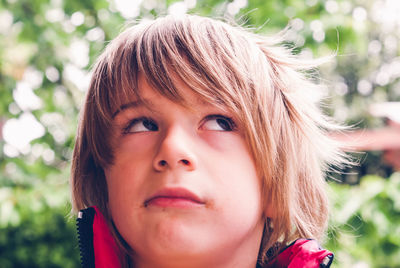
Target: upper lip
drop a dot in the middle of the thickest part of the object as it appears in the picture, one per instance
(176, 192)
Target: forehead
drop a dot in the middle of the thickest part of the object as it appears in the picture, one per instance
(146, 95)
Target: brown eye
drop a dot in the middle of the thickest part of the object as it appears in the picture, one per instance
(218, 123)
(142, 124)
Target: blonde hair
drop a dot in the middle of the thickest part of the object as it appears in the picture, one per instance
(251, 75)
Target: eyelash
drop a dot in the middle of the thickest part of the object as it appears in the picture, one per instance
(126, 129)
(229, 120)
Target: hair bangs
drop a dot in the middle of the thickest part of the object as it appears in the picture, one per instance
(198, 53)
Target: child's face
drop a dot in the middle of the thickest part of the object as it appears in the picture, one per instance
(183, 184)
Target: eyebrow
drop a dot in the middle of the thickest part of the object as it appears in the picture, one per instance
(129, 105)
(137, 103)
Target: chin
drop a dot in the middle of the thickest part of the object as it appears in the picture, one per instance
(176, 241)
(178, 236)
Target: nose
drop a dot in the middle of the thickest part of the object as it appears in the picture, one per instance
(175, 151)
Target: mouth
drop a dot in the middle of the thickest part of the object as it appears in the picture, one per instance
(174, 198)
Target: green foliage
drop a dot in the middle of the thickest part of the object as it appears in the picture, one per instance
(44, 238)
(35, 229)
(365, 226)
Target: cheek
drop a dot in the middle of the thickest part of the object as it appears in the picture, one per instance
(239, 206)
(132, 156)
(230, 155)
(223, 142)
(125, 195)
(119, 186)
(241, 180)
(232, 165)
(135, 146)
(125, 178)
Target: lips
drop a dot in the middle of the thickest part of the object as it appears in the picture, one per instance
(174, 197)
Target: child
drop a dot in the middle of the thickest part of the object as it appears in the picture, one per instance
(203, 146)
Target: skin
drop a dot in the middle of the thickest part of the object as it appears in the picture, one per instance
(177, 148)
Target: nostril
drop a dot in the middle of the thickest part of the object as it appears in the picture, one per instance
(184, 161)
(163, 163)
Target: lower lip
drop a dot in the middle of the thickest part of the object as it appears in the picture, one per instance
(173, 202)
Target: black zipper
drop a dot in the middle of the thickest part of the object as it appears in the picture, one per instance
(84, 224)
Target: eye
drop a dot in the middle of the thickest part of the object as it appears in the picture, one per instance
(142, 124)
(218, 123)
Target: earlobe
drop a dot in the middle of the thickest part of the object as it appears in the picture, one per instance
(268, 212)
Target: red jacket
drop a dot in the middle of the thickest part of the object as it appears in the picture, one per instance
(99, 249)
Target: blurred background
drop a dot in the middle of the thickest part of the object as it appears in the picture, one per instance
(48, 46)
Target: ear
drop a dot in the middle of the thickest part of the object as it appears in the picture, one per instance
(269, 211)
